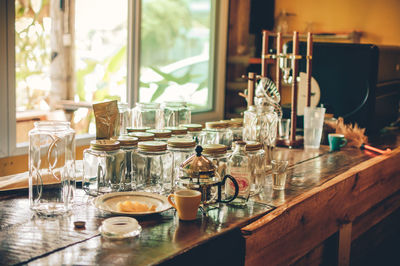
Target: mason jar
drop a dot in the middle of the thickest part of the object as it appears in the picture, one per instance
(137, 129)
(195, 131)
(128, 146)
(125, 119)
(103, 167)
(181, 148)
(218, 155)
(51, 161)
(176, 113)
(178, 132)
(218, 132)
(147, 115)
(161, 134)
(142, 136)
(153, 166)
(257, 165)
(236, 126)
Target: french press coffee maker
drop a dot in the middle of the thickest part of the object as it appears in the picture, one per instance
(199, 173)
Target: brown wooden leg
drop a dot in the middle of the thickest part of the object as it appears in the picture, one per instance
(344, 244)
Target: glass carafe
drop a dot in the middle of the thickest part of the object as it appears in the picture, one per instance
(51, 168)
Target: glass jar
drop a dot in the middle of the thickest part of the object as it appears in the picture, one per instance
(161, 134)
(257, 162)
(103, 167)
(142, 136)
(250, 124)
(236, 126)
(239, 168)
(176, 113)
(147, 115)
(181, 148)
(51, 161)
(195, 131)
(125, 119)
(218, 155)
(153, 166)
(137, 129)
(218, 132)
(128, 145)
(178, 132)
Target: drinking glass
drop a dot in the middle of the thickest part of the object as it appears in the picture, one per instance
(313, 122)
(279, 174)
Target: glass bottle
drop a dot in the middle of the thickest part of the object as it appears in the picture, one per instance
(195, 131)
(129, 146)
(147, 115)
(125, 119)
(176, 113)
(218, 155)
(239, 168)
(257, 162)
(153, 166)
(178, 132)
(218, 132)
(51, 161)
(181, 148)
(161, 134)
(103, 167)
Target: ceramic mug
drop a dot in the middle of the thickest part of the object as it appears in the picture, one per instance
(186, 202)
(336, 141)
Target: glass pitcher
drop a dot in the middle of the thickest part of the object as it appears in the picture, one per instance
(51, 168)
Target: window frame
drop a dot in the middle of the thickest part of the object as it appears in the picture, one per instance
(217, 66)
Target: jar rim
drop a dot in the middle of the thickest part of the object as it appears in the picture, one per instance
(104, 145)
(52, 125)
(216, 124)
(192, 127)
(181, 143)
(142, 136)
(214, 149)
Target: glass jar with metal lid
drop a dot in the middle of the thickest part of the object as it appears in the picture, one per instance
(176, 113)
(218, 155)
(137, 129)
(128, 145)
(178, 132)
(147, 115)
(161, 134)
(195, 131)
(181, 148)
(236, 126)
(103, 167)
(153, 166)
(142, 136)
(218, 132)
(256, 154)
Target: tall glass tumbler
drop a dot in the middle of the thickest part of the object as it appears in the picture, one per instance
(51, 168)
(147, 115)
(313, 123)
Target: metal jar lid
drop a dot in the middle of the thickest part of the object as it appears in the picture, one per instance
(178, 130)
(214, 149)
(142, 136)
(152, 146)
(217, 124)
(193, 127)
(234, 123)
(126, 140)
(253, 146)
(181, 143)
(198, 166)
(137, 129)
(160, 133)
(104, 145)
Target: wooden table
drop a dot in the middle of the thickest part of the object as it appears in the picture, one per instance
(326, 192)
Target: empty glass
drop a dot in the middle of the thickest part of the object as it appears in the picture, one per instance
(313, 123)
(176, 113)
(284, 128)
(279, 174)
(147, 115)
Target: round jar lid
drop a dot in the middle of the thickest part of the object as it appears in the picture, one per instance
(126, 140)
(178, 130)
(234, 123)
(137, 129)
(142, 136)
(160, 133)
(152, 146)
(104, 145)
(214, 149)
(193, 127)
(240, 119)
(253, 146)
(181, 143)
(217, 124)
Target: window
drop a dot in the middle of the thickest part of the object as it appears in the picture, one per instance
(56, 60)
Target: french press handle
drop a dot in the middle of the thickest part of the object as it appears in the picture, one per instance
(222, 184)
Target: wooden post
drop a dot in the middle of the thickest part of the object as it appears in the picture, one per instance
(264, 53)
(278, 58)
(344, 244)
(251, 84)
(295, 67)
(309, 67)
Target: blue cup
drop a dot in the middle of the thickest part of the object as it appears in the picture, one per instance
(336, 141)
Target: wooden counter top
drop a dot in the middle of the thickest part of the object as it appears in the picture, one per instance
(318, 181)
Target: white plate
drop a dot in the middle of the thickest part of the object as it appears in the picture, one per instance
(109, 202)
